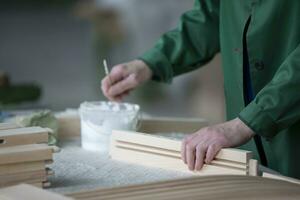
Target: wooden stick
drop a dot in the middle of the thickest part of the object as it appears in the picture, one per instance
(106, 70)
(280, 177)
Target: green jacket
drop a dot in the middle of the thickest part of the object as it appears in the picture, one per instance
(273, 40)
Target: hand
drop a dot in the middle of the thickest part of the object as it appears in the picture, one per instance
(123, 78)
(202, 146)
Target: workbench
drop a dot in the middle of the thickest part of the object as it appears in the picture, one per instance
(77, 169)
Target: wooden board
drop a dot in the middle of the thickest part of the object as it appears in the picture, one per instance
(22, 167)
(23, 177)
(169, 124)
(68, 126)
(25, 153)
(206, 187)
(22, 136)
(170, 163)
(152, 141)
(27, 192)
(149, 150)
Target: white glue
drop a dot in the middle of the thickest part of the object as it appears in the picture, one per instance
(98, 119)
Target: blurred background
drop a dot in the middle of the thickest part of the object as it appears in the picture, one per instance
(51, 54)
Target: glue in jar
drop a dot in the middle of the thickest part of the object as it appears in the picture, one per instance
(99, 118)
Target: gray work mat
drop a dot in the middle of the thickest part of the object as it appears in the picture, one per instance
(77, 170)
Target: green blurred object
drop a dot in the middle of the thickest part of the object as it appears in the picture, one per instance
(45, 119)
(16, 94)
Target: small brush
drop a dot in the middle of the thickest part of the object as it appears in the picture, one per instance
(106, 70)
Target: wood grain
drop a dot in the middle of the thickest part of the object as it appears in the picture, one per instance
(25, 153)
(157, 151)
(22, 136)
(23, 177)
(27, 192)
(206, 187)
(22, 167)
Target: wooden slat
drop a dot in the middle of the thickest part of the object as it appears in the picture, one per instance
(154, 151)
(22, 167)
(9, 179)
(170, 153)
(171, 163)
(22, 136)
(207, 187)
(27, 192)
(235, 155)
(280, 177)
(25, 153)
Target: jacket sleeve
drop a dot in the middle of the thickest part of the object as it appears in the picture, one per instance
(277, 105)
(194, 42)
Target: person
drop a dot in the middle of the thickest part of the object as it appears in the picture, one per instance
(259, 42)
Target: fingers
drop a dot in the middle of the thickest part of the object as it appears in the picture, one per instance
(184, 143)
(122, 86)
(121, 97)
(118, 74)
(183, 150)
(200, 156)
(199, 149)
(212, 152)
(190, 156)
